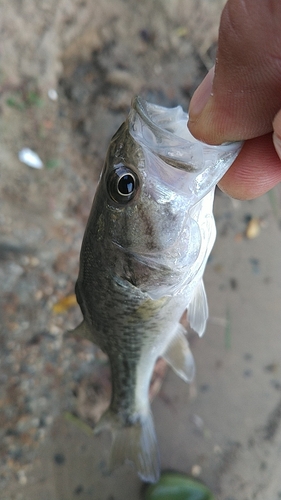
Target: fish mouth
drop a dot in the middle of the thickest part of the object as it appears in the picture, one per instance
(165, 140)
(160, 133)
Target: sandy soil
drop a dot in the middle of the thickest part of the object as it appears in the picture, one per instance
(223, 428)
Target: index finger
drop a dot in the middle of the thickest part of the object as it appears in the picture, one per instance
(256, 170)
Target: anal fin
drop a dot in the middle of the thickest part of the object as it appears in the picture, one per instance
(198, 309)
(179, 356)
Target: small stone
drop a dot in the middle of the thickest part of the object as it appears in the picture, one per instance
(196, 470)
(79, 489)
(22, 477)
(233, 283)
(253, 228)
(34, 261)
(204, 387)
(35, 422)
(52, 94)
(59, 458)
(248, 356)
(38, 295)
(55, 330)
(198, 421)
(217, 449)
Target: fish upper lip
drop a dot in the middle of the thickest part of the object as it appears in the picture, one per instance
(171, 150)
(180, 151)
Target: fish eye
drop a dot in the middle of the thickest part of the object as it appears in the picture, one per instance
(122, 184)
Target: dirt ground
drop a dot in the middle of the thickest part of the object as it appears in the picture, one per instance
(68, 71)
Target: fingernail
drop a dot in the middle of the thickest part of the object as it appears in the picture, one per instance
(277, 144)
(201, 96)
(277, 133)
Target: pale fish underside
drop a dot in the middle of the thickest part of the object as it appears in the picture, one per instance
(145, 248)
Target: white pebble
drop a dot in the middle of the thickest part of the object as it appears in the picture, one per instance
(52, 94)
(22, 477)
(30, 158)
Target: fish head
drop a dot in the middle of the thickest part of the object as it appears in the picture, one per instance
(154, 188)
(145, 209)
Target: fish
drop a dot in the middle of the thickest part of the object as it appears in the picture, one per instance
(145, 247)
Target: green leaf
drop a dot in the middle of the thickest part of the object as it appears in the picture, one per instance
(52, 163)
(174, 486)
(14, 103)
(34, 99)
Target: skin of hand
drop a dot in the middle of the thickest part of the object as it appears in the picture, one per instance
(240, 99)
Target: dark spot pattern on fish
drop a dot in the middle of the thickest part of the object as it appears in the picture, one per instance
(149, 230)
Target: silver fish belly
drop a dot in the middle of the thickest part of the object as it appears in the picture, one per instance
(145, 247)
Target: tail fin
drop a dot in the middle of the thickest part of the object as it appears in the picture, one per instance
(135, 443)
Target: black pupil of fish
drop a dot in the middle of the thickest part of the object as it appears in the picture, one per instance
(126, 185)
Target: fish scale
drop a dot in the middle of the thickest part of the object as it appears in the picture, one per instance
(144, 251)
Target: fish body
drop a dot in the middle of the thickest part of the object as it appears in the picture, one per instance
(145, 247)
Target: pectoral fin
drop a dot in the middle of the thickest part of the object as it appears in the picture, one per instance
(198, 310)
(179, 356)
(81, 331)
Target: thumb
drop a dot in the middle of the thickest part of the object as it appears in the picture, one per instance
(239, 100)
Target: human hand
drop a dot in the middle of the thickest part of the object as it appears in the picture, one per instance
(241, 100)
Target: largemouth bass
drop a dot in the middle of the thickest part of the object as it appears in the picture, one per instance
(145, 247)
